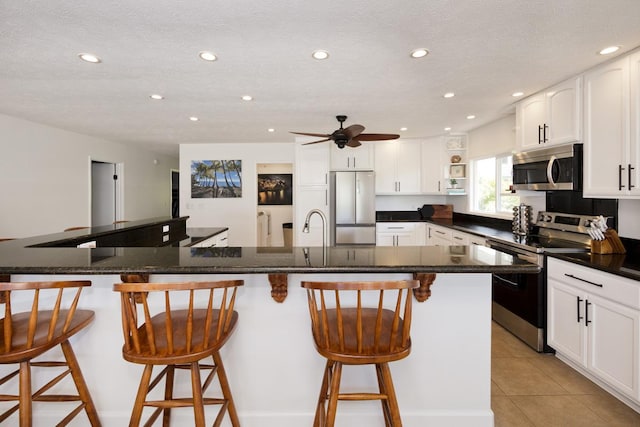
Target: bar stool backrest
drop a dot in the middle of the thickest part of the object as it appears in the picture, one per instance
(361, 324)
(47, 321)
(178, 326)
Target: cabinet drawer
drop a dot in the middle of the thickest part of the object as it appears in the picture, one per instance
(619, 289)
(395, 227)
(459, 238)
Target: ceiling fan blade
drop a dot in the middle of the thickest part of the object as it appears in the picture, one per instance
(315, 142)
(352, 131)
(377, 136)
(354, 143)
(326, 135)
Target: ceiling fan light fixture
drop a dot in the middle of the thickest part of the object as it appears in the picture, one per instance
(320, 54)
(89, 57)
(205, 55)
(608, 50)
(419, 53)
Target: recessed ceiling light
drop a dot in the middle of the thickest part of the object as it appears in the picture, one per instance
(608, 50)
(271, 130)
(208, 56)
(89, 57)
(447, 129)
(156, 96)
(449, 95)
(194, 118)
(419, 53)
(320, 54)
(471, 117)
(247, 97)
(403, 129)
(517, 94)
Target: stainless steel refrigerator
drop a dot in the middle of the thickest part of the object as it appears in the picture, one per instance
(353, 209)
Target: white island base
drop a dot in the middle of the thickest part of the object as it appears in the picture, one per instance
(274, 370)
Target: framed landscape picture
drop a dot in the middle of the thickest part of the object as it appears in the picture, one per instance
(275, 189)
(216, 179)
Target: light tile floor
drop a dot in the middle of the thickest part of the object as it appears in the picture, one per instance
(534, 389)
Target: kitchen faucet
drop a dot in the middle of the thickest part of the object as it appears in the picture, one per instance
(305, 229)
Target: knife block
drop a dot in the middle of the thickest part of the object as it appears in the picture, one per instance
(610, 245)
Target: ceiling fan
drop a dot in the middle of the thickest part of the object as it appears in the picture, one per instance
(349, 136)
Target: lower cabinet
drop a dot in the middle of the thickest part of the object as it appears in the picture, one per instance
(439, 236)
(593, 319)
(400, 234)
(220, 240)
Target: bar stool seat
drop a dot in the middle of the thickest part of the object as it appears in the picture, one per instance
(346, 332)
(176, 337)
(27, 335)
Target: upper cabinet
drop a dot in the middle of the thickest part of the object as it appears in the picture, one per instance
(432, 172)
(348, 158)
(397, 167)
(550, 117)
(611, 154)
(312, 164)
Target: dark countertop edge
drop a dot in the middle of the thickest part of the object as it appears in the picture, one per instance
(618, 271)
(455, 269)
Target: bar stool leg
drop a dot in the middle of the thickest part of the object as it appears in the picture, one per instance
(396, 421)
(81, 385)
(333, 394)
(385, 402)
(143, 389)
(226, 390)
(25, 394)
(168, 394)
(321, 409)
(196, 389)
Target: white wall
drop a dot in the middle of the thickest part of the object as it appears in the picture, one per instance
(239, 214)
(628, 224)
(45, 175)
(497, 137)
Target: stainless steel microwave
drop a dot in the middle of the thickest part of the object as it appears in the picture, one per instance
(555, 168)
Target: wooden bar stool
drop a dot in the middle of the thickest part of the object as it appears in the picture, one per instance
(27, 335)
(353, 334)
(179, 335)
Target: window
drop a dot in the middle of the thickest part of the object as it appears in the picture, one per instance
(490, 186)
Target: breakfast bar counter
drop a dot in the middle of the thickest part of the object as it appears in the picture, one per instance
(273, 368)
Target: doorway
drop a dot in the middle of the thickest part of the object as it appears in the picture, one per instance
(175, 193)
(105, 193)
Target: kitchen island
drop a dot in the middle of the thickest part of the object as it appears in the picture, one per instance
(273, 368)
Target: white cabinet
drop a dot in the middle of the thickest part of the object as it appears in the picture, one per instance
(593, 320)
(311, 192)
(400, 234)
(432, 173)
(460, 238)
(397, 167)
(550, 117)
(607, 135)
(348, 158)
(438, 235)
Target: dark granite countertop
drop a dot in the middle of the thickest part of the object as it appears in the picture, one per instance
(183, 260)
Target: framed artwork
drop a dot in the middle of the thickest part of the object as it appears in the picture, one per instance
(457, 171)
(216, 179)
(275, 189)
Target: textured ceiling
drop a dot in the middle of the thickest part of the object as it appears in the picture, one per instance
(483, 50)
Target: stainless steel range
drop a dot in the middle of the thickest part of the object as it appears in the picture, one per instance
(520, 300)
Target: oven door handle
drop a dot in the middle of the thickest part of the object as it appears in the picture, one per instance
(503, 280)
(552, 160)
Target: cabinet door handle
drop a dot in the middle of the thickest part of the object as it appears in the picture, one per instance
(354, 162)
(326, 197)
(578, 301)
(620, 185)
(539, 134)
(584, 280)
(439, 187)
(544, 133)
(586, 312)
(629, 172)
(348, 160)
